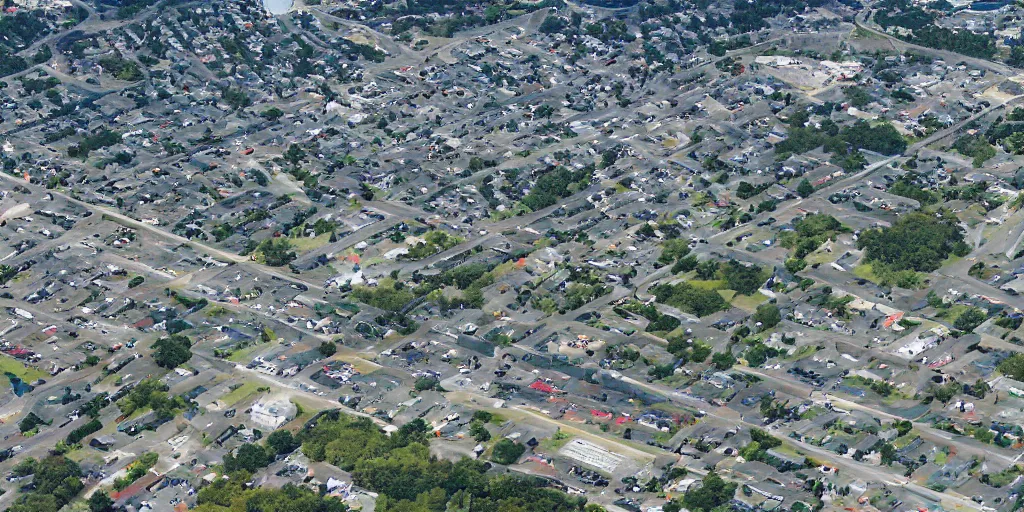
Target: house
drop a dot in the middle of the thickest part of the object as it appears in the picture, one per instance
(146, 482)
(543, 387)
(273, 414)
(102, 443)
(786, 459)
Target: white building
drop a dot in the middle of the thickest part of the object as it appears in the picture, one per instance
(273, 414)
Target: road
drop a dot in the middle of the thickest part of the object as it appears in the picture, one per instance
(857, 178)
(823, 192)
(864, 21)
(347, 241)
(864, 471)
(124, 220)
(963, 444)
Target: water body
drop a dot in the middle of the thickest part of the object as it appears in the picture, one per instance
(19, 386)
(989, 5)
(611, 4)
(277, 6)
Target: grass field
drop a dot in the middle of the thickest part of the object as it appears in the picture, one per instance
(803, 352)
(820, 257)
(247, 388)
(748, 302)
(864, 271)
(555, 442)
(306, 410)
(860, 33)
(362, 365)
(26, 373)
(717, 284)
(305, 244)
(905, 440)
(245, 355)
(951, 313)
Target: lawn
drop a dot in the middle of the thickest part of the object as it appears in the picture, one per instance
(748, 302)
(951, 313)
(860, 33)
(812, 413)
(305, 412)
(802, 353)
(26, 373)
(555, 442)
(244, 355)
(303, 244)
(717, 284)
(905, 440)
(247, 388)
(361, 365)
(785, 449)
(864, 271)
(820, 257)
(138, 413)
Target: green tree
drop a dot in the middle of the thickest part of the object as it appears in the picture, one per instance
(479, 431)
(759, 353)
(507, 451)
(768, 315)
(723, 360)
(250, 457)
(1013, 367)
(26, 467)
(712, 493)
(707, 270)
(691, 299)
(1016, 58)
(888, 453)
(975, 146)
(57, 481)
(282, 442)
(552, 25)
(794, 265)
(172, 351)
(327, 348)
(36, 502)
(805, 189)
(969, 320)
(272, 114)
(673, 250)
(745, 279)
(916, 241)
(275, 252)
(493, 13)
(30, 421)
(946, 392)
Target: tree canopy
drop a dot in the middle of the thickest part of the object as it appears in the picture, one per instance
(57, 481)
(916, 241)
(1013, 367)
(689, 298)
(409, 479)
(712, 493)
(172, 351)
